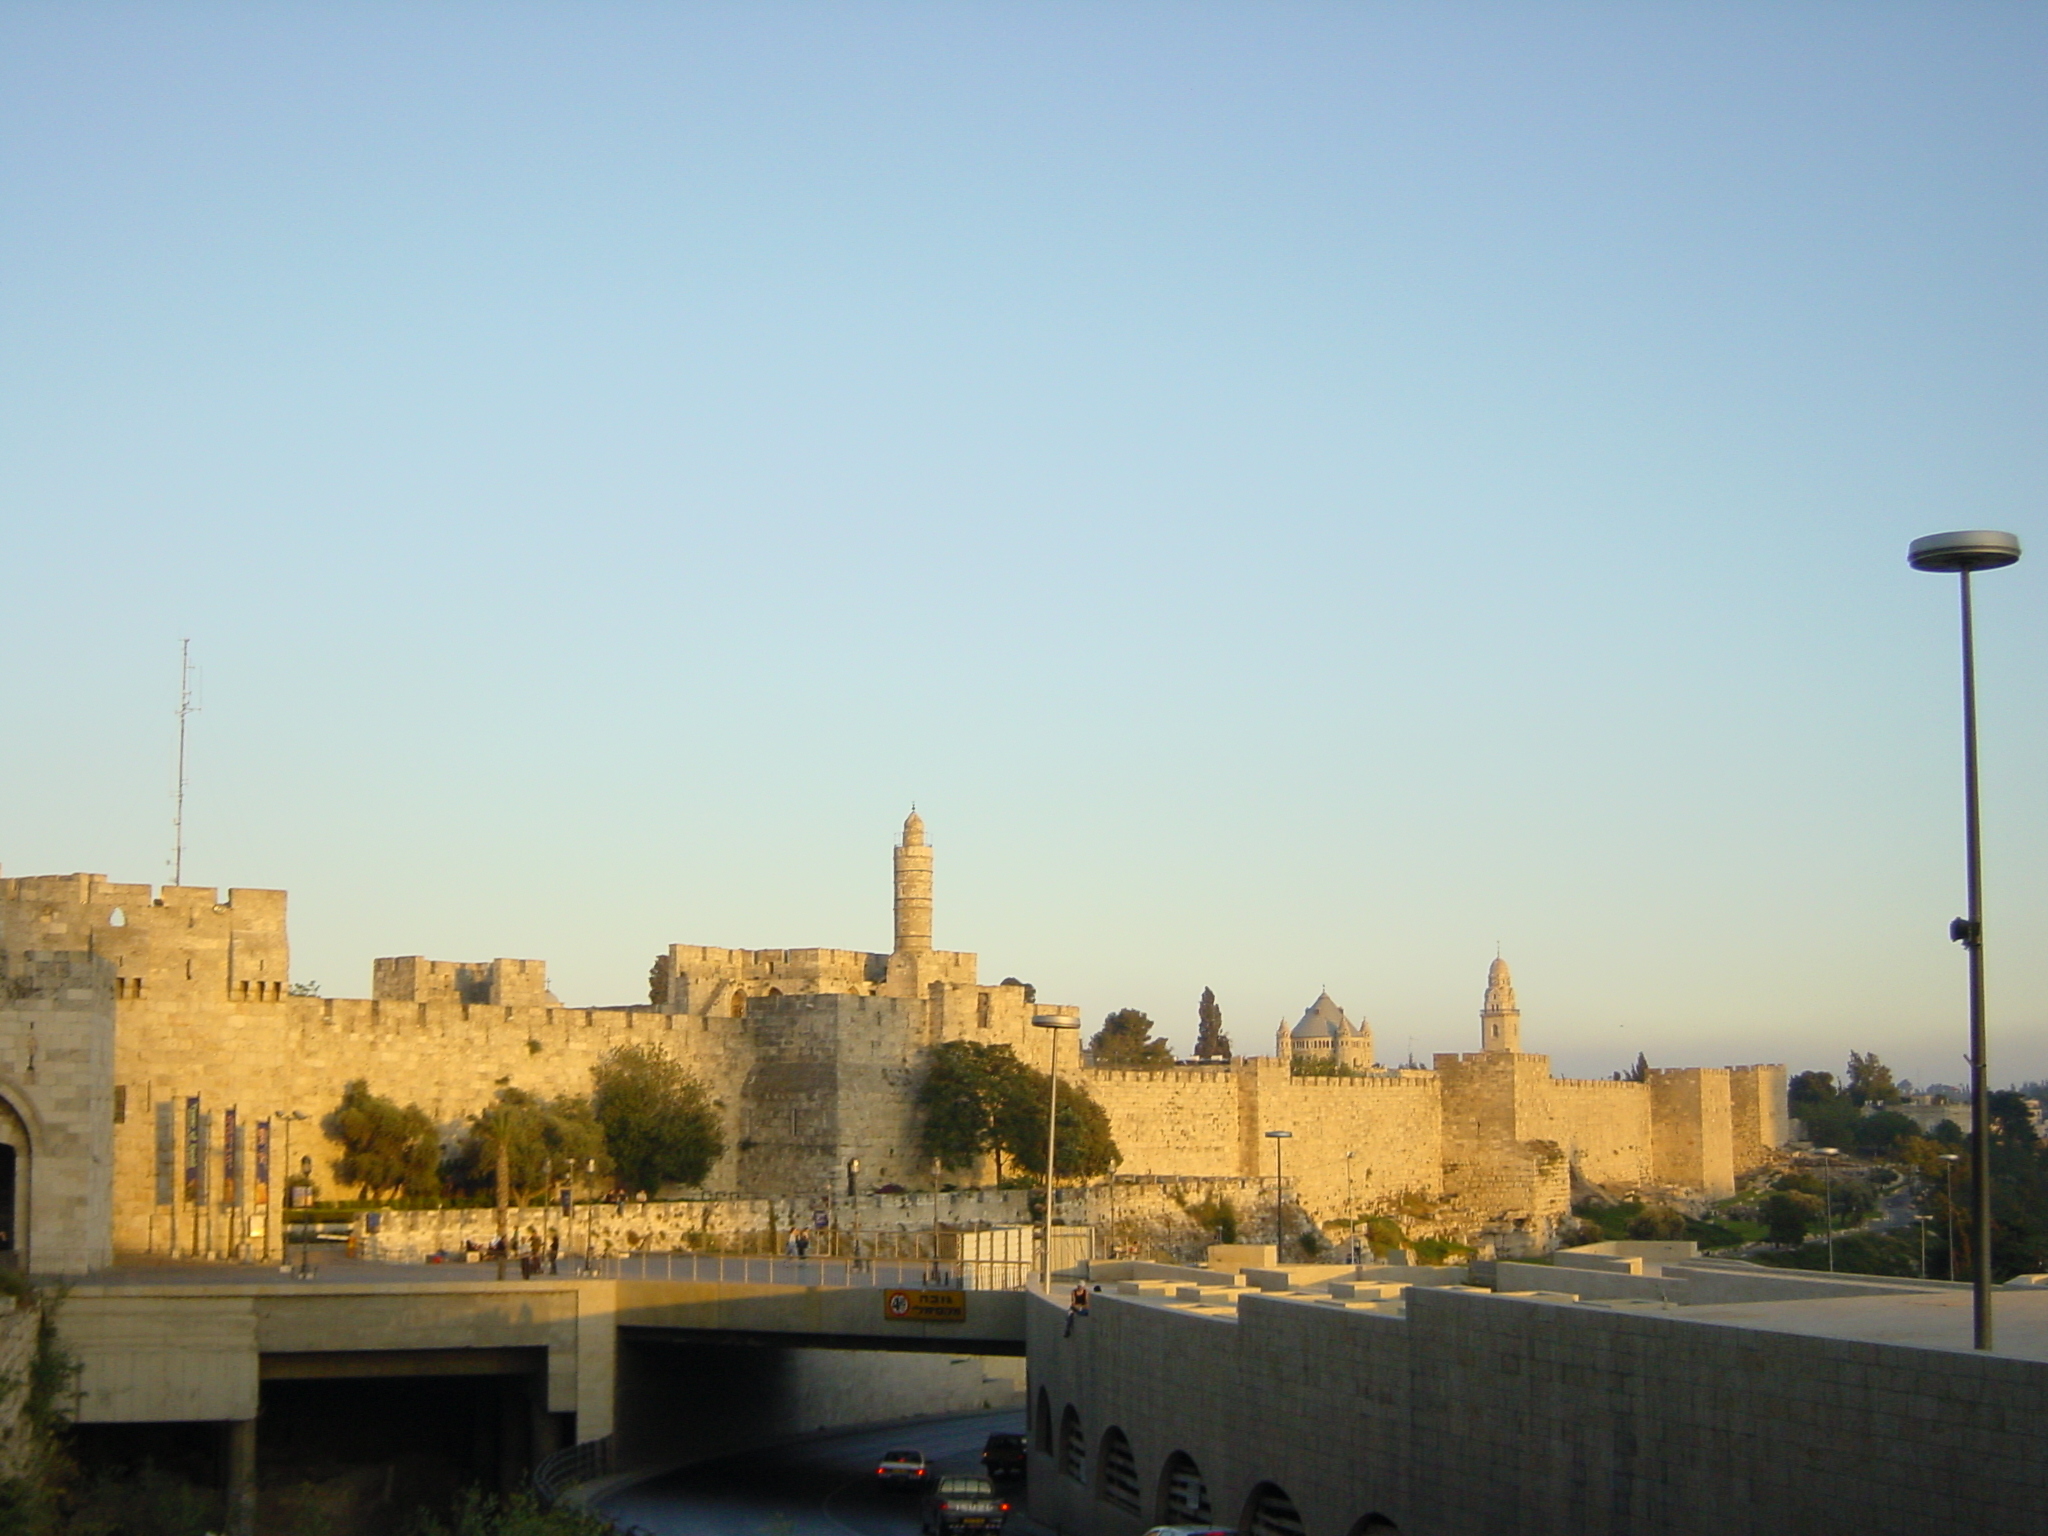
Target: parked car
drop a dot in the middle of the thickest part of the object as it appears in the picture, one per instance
(963, 1504)
(1002, 1456)
(904, 1469)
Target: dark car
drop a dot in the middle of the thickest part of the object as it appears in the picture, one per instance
(1002, 1456)
(963, 1504)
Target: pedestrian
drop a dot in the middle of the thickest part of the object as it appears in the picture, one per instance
(803, 1246)
(554, 1253)
(1077, 1308)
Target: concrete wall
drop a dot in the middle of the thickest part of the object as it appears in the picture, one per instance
(1483, 1415)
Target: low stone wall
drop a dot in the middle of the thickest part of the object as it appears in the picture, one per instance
(887, 1222)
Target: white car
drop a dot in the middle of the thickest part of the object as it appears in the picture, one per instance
(903, 1469)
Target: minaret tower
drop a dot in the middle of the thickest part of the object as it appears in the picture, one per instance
(1500, 1021)
(913, 889)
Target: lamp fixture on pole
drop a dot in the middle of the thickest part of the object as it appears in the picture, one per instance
(1961, 554)
(1278, 1138)
(1053, 1021)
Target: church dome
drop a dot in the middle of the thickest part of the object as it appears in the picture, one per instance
(1323, 1021)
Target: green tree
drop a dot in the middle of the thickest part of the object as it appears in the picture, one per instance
(1789, 1214)
(1658, 1223)
(1869, 1081)
(386, 1150)
(1124, 1041)
(1210, 1041)
(1086, 1147)
(659, 1125)
(542, 1138)
(1883, 1131)
(961, 1101)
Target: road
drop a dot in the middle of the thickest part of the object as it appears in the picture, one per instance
(821, 1486)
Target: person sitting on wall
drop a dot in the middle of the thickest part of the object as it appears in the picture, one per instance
(1077, 1307)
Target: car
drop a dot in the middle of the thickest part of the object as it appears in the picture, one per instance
(1002, 1456)
(904, 1469)
(963, 1504)
(1190, 1530)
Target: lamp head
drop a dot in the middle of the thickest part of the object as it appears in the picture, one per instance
(1057, 1018)
(1277, 1135)
(1826, 1151)
(1981, 549)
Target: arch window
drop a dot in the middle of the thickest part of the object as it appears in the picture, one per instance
(1183, 1495)
(1269, 1512)
(1375, 1525)
(1118, 1478)
(1073, 1447)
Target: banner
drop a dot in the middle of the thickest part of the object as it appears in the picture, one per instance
(263, 1164)
(231, 1158)
(195, 1154)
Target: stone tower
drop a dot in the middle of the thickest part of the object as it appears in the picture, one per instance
(913, 889)
(1500, 1020)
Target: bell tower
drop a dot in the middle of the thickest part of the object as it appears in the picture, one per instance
(1500, 1020)
(913, 889)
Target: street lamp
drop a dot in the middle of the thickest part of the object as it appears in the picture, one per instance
(1963, 553)
(1279, 1212)
(1827, 1174)
(306, 1227)
(1949, 1161)
(853, 1262)
(284, 1248)
(1922, 1221)
(1351, 1210)
(1053, 1020)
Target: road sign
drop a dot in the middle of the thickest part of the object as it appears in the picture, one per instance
(821, 1219)
(925, 1306)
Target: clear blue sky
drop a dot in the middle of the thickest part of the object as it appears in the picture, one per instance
(1295, 493)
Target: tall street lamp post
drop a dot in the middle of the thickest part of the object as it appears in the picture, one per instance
(1948, 1163)
(1827, 1177)
(1278, 1138)
(284, 1249)
(1964, 553)
(1053, 1021)
(853, 1261)
(1921, 1222)
(1350, 1210)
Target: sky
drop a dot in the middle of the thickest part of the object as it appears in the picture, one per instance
(1297, 495)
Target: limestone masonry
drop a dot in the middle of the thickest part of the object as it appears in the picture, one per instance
(154, 1063)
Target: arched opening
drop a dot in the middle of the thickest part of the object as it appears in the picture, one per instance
(1117, 1475)
(739, 1003)
(1073, 1448)
(14, 1167)
(1041, 1425)
(1375, 1525)
(117, 918)
(1183, 1494)
(1269, 1512)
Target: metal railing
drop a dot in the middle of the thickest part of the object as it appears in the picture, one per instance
(746, 1269)
(558, 1473)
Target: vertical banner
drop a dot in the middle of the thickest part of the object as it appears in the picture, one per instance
(263, 1164)
(166, 1151)
(195, 1162)
(230, 1158)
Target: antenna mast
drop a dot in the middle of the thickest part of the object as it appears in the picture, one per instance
(186, 708)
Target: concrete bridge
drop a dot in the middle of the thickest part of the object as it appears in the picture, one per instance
(540, 1364)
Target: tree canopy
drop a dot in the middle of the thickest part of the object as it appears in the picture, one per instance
(386, 1150)
(1210, 1041)
(978, 1099)
(659, 1125)
(542, 1138)
(1869, 1081)
(1125, 1041)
